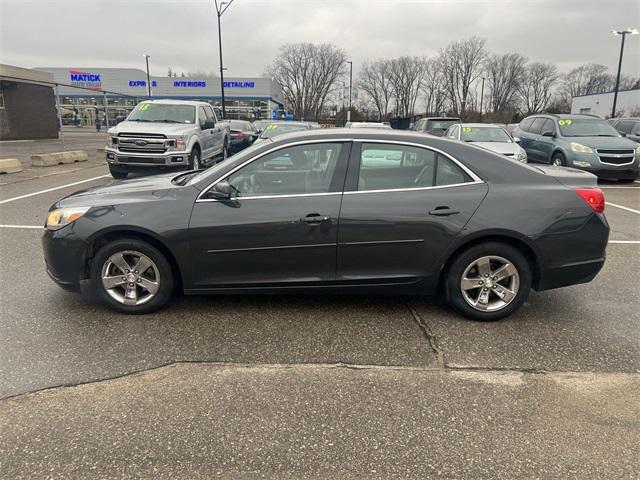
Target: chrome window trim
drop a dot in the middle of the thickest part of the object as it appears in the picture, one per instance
(475, 178)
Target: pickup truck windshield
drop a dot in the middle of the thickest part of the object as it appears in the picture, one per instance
(583, 127)
(163, 113)
(485, 134)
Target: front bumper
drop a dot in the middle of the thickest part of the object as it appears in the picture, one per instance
(590, 162)
(65, 257)
(168, 159)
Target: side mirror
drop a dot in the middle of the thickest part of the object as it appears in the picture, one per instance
(221, 190)
(517, 139)
(208, 124)
(548, 133)
(259, 131)
(622, 134)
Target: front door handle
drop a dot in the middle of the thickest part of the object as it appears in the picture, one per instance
(315, 219)
(443, 211)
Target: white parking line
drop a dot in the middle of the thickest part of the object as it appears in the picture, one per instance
(40, 227)
(51, 189)
(623, 207)
(625, 241)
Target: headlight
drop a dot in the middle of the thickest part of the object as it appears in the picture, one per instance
(522, 157)
(181, 143)
(577, 147)
(64, 216)
(638, 150)
(113, 140)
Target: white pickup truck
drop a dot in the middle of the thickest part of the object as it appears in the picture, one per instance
(165, 134)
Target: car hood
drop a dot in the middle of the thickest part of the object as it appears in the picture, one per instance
(144, 127)
(151, 188)
(604, 142)
(499, 147)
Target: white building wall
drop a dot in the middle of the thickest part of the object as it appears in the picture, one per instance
(601, 104)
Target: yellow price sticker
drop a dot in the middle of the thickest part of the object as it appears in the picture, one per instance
(144, 106)
(565, 122)
(467, 129)
(272, 126)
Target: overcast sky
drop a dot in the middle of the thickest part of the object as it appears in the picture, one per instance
(182, 33)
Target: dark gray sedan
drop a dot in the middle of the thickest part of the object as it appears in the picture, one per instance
(336, 211)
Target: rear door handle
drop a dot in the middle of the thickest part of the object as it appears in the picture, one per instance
(443, 211)
(315, 219)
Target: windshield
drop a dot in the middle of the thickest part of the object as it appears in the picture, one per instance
(163, 113)
(586, 127)
(440, 124)
(485, 134)
(276, 129)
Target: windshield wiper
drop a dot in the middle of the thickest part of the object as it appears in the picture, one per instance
(138, 120)
(166, 121)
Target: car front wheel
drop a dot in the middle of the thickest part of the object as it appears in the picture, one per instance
(488, 281)
(132, 276)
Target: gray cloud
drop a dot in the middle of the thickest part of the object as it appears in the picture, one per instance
(182, 33)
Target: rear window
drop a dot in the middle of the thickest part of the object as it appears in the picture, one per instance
(440, 124)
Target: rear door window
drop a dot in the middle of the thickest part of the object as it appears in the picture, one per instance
(526, 124)
(536, 126)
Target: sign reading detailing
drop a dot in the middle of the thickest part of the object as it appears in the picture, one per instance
(233, 84)
(90, 81)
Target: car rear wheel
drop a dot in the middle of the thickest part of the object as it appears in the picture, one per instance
(488, 281)
(558, 160)
(132, 276)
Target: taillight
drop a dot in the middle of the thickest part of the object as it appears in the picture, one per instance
(594, 197)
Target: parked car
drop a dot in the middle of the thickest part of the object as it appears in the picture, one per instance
(581, 141)
(277, 128)
(629, 127)
(488, 136)
(367, 125)
(434, 125)
(260, 124)
(166, 134)
(416, 214)
(511, 127)
(242, 134)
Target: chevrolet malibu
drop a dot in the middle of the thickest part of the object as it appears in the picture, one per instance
(340, 211)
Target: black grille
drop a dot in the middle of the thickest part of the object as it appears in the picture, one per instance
(615, 152)
(616, 160)
(146, 160)
(142, 150)
(141, 135)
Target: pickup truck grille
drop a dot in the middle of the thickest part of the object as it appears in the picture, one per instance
(142, 143)
(615, 157)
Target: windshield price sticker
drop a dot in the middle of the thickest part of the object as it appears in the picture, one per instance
(144, 107)
(565, 122)
(467, 129)
(273, 126)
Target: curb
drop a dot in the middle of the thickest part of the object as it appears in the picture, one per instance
(58, 158)
(10, 165)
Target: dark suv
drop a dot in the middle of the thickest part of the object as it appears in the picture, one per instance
(630, 127)
(435, 125)
(581, 141)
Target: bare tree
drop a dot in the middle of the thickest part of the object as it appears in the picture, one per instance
(536, 87)
(407, 75)
(307, 73)
(375, 82)
(433, 88)
(504, 75)
(461, 64)
(586, 79)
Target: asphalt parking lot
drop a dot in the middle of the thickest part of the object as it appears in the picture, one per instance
(313, 386)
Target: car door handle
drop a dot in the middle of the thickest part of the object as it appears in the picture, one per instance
(315, 219)
(443, 211)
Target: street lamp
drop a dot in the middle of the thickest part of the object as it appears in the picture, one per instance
(350, 87)
(147, 57)
(624, 33)
(481, 97)
(220, 9)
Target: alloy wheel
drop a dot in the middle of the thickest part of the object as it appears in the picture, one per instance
(130, 277)
(490, 283)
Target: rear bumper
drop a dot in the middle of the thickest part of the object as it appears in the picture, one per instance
(570, 274)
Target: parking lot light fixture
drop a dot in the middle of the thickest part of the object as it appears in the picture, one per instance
(623, 34)
(147, 57)
(220, 9)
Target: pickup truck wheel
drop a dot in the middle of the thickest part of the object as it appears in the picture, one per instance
(194, 159)
(225, 151)
(118, 173)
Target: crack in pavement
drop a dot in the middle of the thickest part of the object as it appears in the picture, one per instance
(430, 336)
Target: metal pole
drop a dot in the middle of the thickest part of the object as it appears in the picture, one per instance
(60, 134)
(350, 86)
(148, 79)
(224, 110)
(615, 92)
(481, 97)
(106, 114)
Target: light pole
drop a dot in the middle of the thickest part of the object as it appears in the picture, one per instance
(220, 9)
(481, 97)
(624, 33)
(350, 87)
(147, 57)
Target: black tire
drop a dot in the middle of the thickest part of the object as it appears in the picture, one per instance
(225, 151)
(626, 180)
(559, 160)
(118, 173)
(195, 159)
(454, 274)
(165, 279)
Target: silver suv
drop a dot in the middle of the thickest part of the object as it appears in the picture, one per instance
(166, 133)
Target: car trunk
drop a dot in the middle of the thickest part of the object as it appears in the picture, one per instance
(570, 177)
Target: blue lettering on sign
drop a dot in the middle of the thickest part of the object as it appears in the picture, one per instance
(189, 84)
(142, 83)
(239, 84)
(84, 77)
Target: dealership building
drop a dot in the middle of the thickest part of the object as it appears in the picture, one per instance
(111, 93)
(601, 104)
